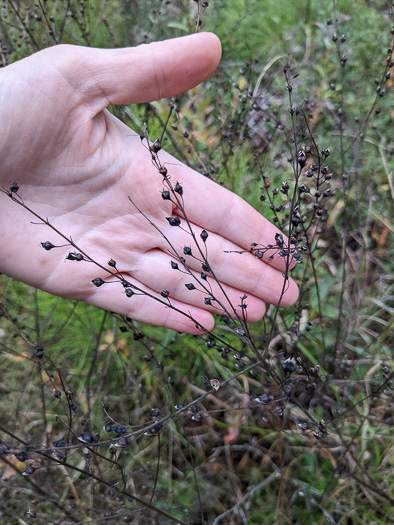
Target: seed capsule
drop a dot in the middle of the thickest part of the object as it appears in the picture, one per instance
(14, 187)
(174, 221)
(301, 159)
(204, 235)
(98, 282)
(178, 188)
(156, 146)
(47, 245)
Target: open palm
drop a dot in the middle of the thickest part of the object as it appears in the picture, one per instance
(77, 165)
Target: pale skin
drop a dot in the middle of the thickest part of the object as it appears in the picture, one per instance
(77, 165)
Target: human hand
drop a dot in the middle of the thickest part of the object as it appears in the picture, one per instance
(76, 164)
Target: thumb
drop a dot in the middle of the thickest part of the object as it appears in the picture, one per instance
(141, 74)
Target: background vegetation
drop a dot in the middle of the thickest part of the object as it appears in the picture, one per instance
(90, 402)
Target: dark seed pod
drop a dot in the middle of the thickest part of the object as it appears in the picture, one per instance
(163, 170)
(225, 319)
(98, 282)
(156, 146)
(279, 240)
(187, 250)
(204, 235)
(174, 265)
(112, 263)
(165, 195)
(190, 286)
(86, 438)
(285, 187)
(296, 219)
(14, 187)
(47, 245)
(155, 412)
(289, 365)
(74, 256)
(207, 300)
(28, 471)
(21, 456)
(39, 351)
(122, 442)
(178, 188)
(301, 159)
(60, 443)
(174, 221)
(119, 429)
(165, 293)
(264, 399)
